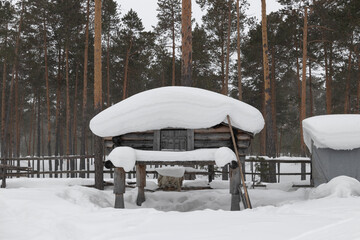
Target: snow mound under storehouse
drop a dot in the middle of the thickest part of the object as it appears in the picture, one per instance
(338, 131)
(175, 107)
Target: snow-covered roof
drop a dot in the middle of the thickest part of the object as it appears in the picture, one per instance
(175, 107)
(338, 131)
(126, 157)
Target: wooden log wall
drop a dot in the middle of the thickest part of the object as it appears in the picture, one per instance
(215, 137)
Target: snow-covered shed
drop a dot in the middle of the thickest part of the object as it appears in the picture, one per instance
(334, 144)
(190, 122)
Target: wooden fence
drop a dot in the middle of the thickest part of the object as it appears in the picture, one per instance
(69, 166)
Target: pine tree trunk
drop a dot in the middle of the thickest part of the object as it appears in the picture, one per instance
(226, 89)
(126, 69)
(84, 117)
(17, 117)
(358, 90)
(108, 70)
(303, 87)
(99, 175)
(47, 99)
(67, 122)
(74, 148)
(270, 144)
(311, 91)
(273, 98)
(327, 82)
(5, 126)
(173, 50)
(38, 148)
(186, 43)
(347, 87)
(331, 73)
(238, 50)
(3, 100)
(57, 114)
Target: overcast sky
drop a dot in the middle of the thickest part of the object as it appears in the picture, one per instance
(146, 9)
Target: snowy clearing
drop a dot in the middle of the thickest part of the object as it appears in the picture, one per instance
(62, 209)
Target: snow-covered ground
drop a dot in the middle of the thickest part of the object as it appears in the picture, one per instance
(66, 209)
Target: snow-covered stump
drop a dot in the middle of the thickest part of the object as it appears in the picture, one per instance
(119, 187)
(140, 183)
(235, 181)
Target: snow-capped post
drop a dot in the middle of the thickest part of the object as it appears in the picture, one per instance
(140, 183)
(119, 187)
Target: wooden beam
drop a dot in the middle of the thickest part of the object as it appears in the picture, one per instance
(248, 204)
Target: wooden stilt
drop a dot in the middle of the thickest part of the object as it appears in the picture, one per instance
(119, 187)
(140, 183)
(235, 181)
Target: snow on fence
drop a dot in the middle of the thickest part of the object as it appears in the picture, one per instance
(69, 166)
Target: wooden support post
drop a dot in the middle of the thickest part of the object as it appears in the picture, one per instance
(211, 172)
(235, 181)
(119, 187)
(140, 183)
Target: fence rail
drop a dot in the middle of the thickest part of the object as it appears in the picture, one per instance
(69, 166)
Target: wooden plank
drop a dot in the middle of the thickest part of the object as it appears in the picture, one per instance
(190, 139)
(156, 140)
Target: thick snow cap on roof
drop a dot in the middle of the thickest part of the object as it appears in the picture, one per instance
(338, 131)
(175, 107)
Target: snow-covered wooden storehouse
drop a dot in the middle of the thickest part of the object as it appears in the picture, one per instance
(180, 126)
(334, 144)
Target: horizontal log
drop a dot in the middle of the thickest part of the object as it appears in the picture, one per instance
(222, 129)
(137, 144)
(50, 158)
(212, 136)
(278, 161)
(243, 144)
(276, 174)
(137, 136)
(182, 163)
(243, 136)
(212, 144)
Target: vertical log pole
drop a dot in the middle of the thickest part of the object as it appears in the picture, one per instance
(140, 183)
(119, 187)
(247, 199)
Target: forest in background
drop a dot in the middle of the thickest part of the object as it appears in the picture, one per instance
(47, 65)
